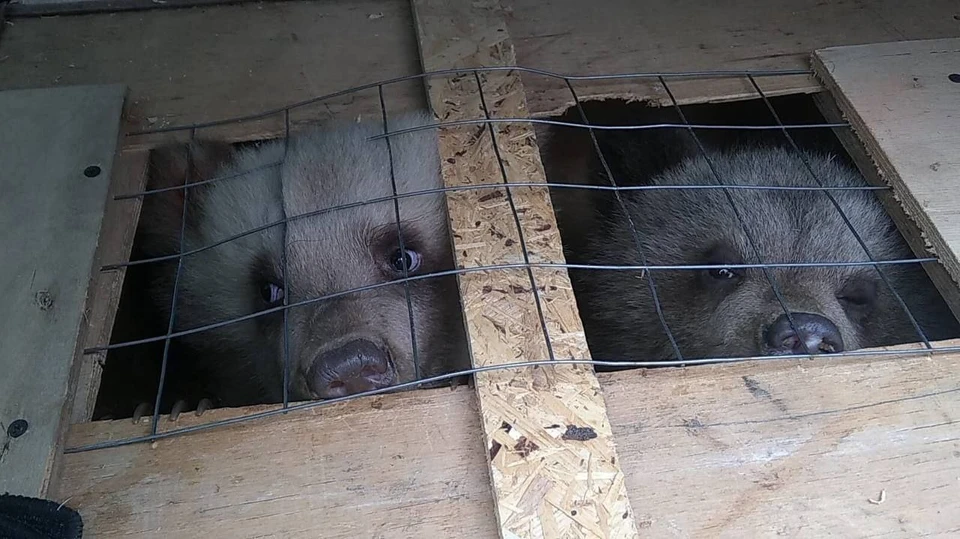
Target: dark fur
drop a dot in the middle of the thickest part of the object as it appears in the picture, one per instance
(328, 253)
(726, 318)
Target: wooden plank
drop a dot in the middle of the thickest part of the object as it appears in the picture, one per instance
(244, 59)
(546, 484)
(907, 226)
(116, 240)
(903, 105)
(793, 448)
(46, 8)
(622, 36)
(758, 449)
(57, 150)
(199, 65)
(401, 465)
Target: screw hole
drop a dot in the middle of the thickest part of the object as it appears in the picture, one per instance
(92, 171)
(18, 428)
(954, 77)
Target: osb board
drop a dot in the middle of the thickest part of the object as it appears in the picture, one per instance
(682, 35)
(902, 104)
(202, 64)
(50, 214)
(402, 465)
(116, 240)
(546, 484)
(761, 449)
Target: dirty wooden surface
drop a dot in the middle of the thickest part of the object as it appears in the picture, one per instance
(902, 101)
(624, 36)
(369, 468)
(760, 449)
(57, 148)
(185, 66)
(202, 64)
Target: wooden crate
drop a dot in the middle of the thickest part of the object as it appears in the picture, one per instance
(771, 448)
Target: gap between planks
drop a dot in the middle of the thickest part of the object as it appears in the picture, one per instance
(117, 233)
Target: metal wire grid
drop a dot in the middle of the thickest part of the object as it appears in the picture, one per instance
(527, 265)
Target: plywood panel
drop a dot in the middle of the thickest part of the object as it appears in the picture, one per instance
(247, 58)
(793, 450)
(622, 36)
(760, 449)
(204, 64)
(402, 465)
(57, 148)
(905, 107)
(907, 226)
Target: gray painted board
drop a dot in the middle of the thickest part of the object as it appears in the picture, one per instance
(51, 207)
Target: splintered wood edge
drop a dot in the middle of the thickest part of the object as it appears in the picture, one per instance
(931, 236)
(550, 447)
(116, 241)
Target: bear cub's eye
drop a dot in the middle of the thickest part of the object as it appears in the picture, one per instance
(271, 293)
(405, 259)
(721, 254)
(858, 293)
(723, 274)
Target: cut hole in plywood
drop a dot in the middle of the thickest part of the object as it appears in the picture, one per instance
(741, 253)
(347, 238)
(793, 110)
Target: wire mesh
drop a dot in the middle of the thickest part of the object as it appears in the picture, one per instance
(516, 221)
(768, 275)
(846, 219)
(176, 289)
(286, 283)
(403, 257)
(527, 265)
(651, 280)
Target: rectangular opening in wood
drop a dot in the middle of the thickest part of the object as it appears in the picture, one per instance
(317, 265)
(746, 248)
(748, 229)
